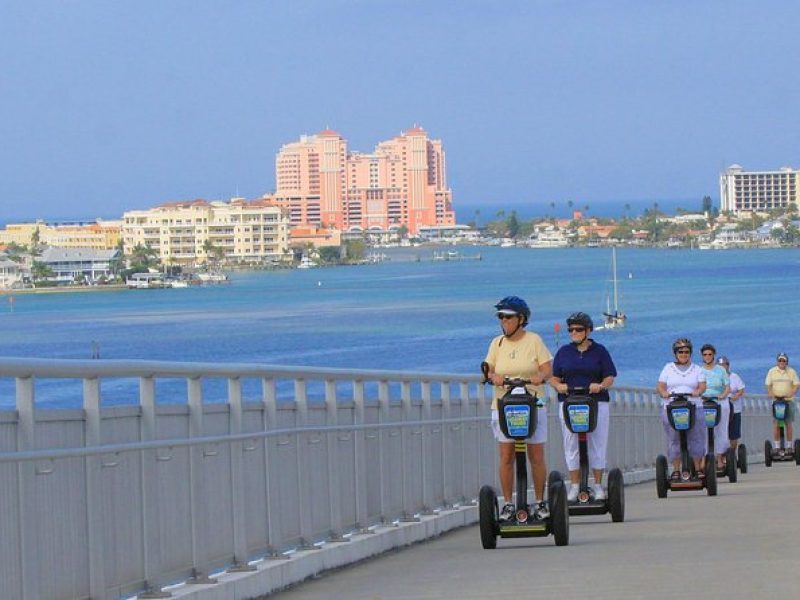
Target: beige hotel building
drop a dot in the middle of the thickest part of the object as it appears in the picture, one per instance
(757, 191)
(250, 232)
(402, 182)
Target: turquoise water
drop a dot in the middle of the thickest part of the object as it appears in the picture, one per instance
(430, 316)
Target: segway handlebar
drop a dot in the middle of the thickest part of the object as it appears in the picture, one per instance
(507, 381)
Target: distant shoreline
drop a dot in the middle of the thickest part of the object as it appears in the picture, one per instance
(63, 290)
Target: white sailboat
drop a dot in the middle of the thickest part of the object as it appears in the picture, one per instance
(613, 317)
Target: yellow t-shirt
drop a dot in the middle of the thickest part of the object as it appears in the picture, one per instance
(782, 382)
(520, 358)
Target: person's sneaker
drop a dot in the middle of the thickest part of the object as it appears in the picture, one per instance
(599, 492)
(507, 512)
(676, 476)
(542, 511)
(572, 494)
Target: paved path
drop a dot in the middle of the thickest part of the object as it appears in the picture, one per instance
(740, 544)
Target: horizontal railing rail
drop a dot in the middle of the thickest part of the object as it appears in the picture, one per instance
(115, 500)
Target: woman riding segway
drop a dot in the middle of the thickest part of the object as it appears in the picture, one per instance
(519, 354)
(584, 363)
(683, 377)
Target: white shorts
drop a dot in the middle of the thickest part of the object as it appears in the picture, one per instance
(597, 441)
(539, 436)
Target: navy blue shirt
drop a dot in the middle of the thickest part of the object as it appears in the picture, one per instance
(579, 369)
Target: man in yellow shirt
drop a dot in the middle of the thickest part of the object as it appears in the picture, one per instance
(782, 382)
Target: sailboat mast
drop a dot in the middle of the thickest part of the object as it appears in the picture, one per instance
(614, 267)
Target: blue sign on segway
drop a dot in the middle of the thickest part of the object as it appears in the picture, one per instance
(710, 416)
(579, 417)
(518, 420)
(681, 418)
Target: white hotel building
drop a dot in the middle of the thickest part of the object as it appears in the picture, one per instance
(757, 191)
(251, 232)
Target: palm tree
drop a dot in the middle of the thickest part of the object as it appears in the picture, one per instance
(40, 271)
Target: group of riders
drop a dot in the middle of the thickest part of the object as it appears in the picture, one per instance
(585, 363)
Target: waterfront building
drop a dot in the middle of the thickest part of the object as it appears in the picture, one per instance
(10, 273)
(100, 234)
(314, 236)
(199, 231)
(758, 191)
(69, 264)
(401, 183)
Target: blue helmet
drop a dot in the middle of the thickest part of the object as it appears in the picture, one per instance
(514, 305)
(580, 318)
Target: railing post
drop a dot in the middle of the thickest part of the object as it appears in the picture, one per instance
(408, 510)
(269, 419)
(383, 417)
(240, 554)
(334, 489)
(360, 458)
(150, 505)
(197, 484)
(464, 391)
(303, 466)
(26, 489)
(94, 505)
(427, 503)
(446, 486)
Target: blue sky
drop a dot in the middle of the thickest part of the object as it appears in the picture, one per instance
(109, 106)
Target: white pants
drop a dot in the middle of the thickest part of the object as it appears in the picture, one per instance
(721, 441)
(597, 440)
(539, 436)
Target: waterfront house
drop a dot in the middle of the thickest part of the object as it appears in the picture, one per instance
(10, 273)
(70, 264)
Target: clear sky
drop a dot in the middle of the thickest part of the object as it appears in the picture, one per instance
(108, 106)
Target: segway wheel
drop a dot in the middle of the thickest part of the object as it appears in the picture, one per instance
(730, 463)
(711, 475)
(742, 451)
(553, 477)
(797, 452)
(767, 453)
(662, 486)
(616, 496)
(559, 513)
(487, 512)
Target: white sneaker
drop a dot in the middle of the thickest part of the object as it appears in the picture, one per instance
(572, 494)
(542, 510)
(507, 512)
(599, 492)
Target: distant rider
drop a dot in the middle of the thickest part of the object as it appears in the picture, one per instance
(583, 363)
(782, 382)
(683, 377)
(718, 388)
(735, 399)
(517, 353)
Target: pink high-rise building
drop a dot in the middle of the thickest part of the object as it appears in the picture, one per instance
(403, 182)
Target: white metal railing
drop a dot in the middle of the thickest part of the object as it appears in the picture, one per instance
(113, 500)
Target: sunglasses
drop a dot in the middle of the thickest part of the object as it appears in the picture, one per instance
(682, 352)
(578, 329)
(782, 360)
(708, 354)
(503, 316)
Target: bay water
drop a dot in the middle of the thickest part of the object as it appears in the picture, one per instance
(414, 314)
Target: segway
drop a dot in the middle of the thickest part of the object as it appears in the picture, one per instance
(680, 413)
(783, 452)
(580, 417)
(741, 451)
(517, 413)
(713, 414)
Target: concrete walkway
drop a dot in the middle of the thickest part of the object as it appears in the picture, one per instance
(741, 544)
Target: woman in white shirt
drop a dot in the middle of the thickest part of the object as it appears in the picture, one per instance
(683, 377)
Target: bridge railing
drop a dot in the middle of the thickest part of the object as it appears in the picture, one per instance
(107, 501)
